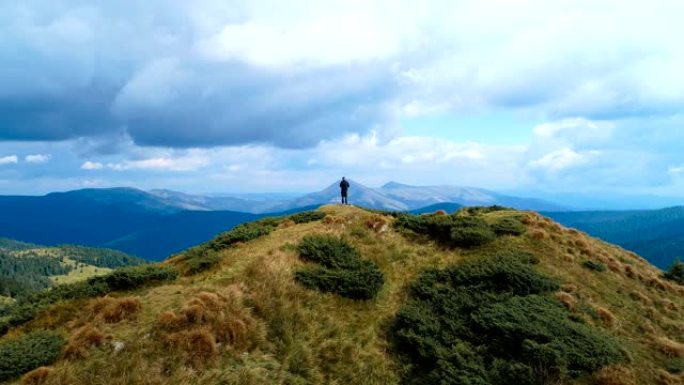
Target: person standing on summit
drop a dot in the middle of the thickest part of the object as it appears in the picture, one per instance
(344, 186)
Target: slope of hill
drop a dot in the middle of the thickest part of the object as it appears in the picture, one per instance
(658, 235)
(257, 305)
(25, 267)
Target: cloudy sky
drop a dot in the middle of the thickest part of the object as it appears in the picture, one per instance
(237, 96)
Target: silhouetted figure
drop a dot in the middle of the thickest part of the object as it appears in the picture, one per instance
(344, 186)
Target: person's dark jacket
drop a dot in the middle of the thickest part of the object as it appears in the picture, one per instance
(344, 185)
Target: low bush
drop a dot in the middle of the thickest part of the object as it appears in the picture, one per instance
(509, 226)
(453, 230)
(133, 277)
(494, 322)
(593, 265)
(342, 270)
(28, 352)
(243, 233)
(362, 282)
(676, 272)
(307, 216)
(198, 259)
(329, 251)
(478, 210)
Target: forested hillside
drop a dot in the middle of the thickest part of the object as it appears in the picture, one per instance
(657, 235)
(26, 268)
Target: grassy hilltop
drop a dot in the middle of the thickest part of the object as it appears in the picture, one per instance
(348, 296)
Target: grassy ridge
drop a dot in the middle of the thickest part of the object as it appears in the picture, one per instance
(246, 320)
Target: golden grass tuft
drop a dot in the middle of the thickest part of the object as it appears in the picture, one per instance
(656, 283)
(83, 339)
(440, 213)
(569, 258)
(615, 375)
(528, 220)
(114, 310)
(538, 234)
(286, 223)
(606, 316)
(641, 297)
(199, 344)
(220, 315)
(377, 223)
(665, 378)
(669, 347)
(630, 272)
(37, 376)
(569, 288)
(566, 299)
(613, 264)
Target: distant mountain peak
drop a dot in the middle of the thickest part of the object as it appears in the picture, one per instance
(393, 184)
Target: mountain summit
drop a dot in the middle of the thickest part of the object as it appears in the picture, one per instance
(347, 296)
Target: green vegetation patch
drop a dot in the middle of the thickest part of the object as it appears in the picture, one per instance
(594, 265)
(307, 216)
(28, 352)
(342, 270)
(509, 226)
(453, 230)
(126, 278)
(676, 272)
(241, 233)
(494, 322)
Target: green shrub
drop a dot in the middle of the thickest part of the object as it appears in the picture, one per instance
(593, 265)
(133, 277)
(452, 230)
(28, 352)
(676, 272)
(478, 210)
(342, 270)
(307, 216)
(198, 259)
(243, 233)
(494, 322)
(329, 251)
(471, 236)
(509, 226)
(362, 282)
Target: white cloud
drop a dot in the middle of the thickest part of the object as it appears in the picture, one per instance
(10, 159)
(90, 165)
(187, 163)
(563, 159)
(37, 158)
(676, 170)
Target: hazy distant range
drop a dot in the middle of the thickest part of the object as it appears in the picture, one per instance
(158, 223)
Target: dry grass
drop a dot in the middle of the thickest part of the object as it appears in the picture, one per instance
(83, 339)
(641, 297)
(211, 318)
(665, 378)
(37, 376)
(114, 310)
(606, 316)
(199, 345)
(615, 375)
(567, 299)
(538, 234)
(377, 223)
(669, 347)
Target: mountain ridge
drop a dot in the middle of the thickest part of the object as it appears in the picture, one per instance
(241, 314)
